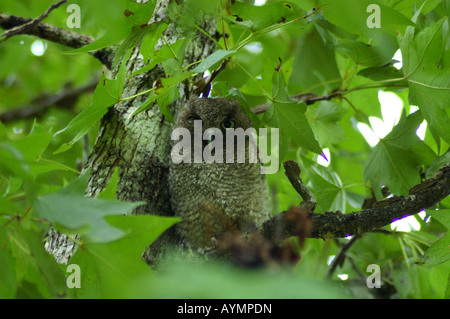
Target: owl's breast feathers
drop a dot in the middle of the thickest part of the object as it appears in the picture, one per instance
(218, 198)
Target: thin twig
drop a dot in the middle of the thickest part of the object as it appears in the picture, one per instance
(340, 256)
(23, 28)
(205, 84)
(308, 98)
(311, 98)
(292, 171)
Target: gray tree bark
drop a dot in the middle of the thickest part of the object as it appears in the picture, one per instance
(139, 146)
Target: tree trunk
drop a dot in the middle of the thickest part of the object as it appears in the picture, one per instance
(139, 146)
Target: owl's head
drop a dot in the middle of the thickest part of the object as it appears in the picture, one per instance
(221, 113)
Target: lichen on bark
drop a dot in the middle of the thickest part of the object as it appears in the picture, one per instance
(139, 146)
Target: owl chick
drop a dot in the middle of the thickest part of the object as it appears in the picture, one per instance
(213, 198)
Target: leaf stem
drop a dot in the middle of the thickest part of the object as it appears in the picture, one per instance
(377, 84)
(209, 37)
(257, 34)
(251, 77)
(138, 94)
(169, 46)
(59, 164)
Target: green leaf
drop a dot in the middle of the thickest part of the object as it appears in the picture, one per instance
(107, 40)
(147, 104)
(50, 271)
(35, 143)
(8, 280)
(312, 73)
(110, 16)
(150, 40)
(254, 18)
(28, 150)
(328, 188)
(3, 135)
(110, 191)
(352, 16)
(187, 14)
(439, 251)
(437, 164)
(325, 123)
(429, 85)
(28, 290)
(8, 207)
(75, 212)
(212, 59)
(140, 12)
(213, 280)
(32, 146)
(161, 55)
(447, 290)
(237, 94)
(109, 268)
(306, 4)
(116, 32)
(174, 65)
(289, 117)
(385, 72)
(135, 37)
(22, 157)
(164, 95)
(12, 162)
(70, 209)
(393, 161)
(77, 186)
(368, 54)
(106, 94)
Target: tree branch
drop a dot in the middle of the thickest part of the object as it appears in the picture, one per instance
(21, 29)
(66, 99)
(292, 171)
(19, 25)
(340, 256)
(204, 85)
(382, 213)
(308, 98)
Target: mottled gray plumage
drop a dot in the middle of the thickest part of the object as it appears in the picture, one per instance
(216, 198)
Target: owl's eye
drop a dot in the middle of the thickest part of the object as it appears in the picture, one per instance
(228, 124)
